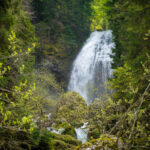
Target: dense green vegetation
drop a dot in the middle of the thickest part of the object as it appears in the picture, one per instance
(62, 27)
(127, 112)
(72, 108)
(38, 41)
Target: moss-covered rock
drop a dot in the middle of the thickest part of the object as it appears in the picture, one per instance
(67, 139)
(68, 129)
(103, 142)
(71, 108)
(46, 141)
(65, 142)
(93, 133)
(13, 139)
(60, 145)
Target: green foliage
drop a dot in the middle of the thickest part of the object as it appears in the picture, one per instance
(67, 139)
(105, 141)
(62, 27)
(132, 41)
(126, 114)
(99, 18)
(133, 97)
(124, 84)
(14, 139)
(20, 100)
(46, 141)
(13, 17)
(68, 129)
(129, 38)
(71, 108)
(103, 115)
(39, 139)
(93, 133)
(17, 93)
(47, 88)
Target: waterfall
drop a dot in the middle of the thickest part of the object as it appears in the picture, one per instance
(92, 66)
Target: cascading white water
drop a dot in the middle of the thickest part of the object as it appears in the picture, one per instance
(82, 133)
(92, 67)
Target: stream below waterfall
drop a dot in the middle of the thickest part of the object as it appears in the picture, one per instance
(82, 133)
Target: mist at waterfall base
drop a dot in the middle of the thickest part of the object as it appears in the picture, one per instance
(92, 66)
